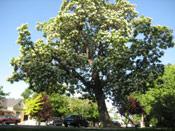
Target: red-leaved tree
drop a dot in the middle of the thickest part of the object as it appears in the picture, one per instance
(131, 107)
(45, 111)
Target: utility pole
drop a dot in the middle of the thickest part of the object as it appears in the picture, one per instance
(83, 109)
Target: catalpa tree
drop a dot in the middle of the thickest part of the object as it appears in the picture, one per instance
(91, 46)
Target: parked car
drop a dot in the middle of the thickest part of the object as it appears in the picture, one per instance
(9, 119)
(56, 121)
(116, 123)
(137, 125)
(130, 125)
(75, 120)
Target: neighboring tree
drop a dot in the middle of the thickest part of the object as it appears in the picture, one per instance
(2, 94)
(39, 107)
(91, 112)
(134, 106)
(159, 102)
(126, 121)
(59, 104)
(115, 114)
(130, 108)
(33, 105)
(84, 107)
(27, 93)
(75, 106)
(63, 106)
(94, 47)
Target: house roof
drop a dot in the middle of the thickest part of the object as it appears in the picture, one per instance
(9, 102)
(5, 110)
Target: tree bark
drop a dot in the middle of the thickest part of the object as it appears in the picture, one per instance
(130, 120)
(103, 113)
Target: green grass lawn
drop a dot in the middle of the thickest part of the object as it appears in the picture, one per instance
(11, 128)
(36, 129)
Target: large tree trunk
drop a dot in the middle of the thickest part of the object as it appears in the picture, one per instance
(103, 113)
(38, 122)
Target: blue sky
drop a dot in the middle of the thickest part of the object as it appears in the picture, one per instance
(13, 13)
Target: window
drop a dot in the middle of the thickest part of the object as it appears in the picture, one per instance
(18, 114)
(26, 117)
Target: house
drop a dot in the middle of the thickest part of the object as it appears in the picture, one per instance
(16, 107)
(12, 107)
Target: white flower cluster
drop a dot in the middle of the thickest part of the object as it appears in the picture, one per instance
(142, 23)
